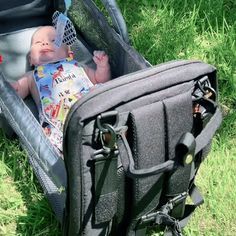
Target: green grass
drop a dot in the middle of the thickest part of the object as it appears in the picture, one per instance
(23, 208)
(161, 30)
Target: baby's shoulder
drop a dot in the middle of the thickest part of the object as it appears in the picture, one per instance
(27, 78)
(28, 74)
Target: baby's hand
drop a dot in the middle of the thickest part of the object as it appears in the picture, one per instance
(100, 58)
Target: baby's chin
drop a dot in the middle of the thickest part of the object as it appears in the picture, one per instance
(47, 60)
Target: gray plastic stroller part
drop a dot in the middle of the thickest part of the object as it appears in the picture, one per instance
(4, 125)
(14, 48)
(47, 165)
(117, 19)
(17, 15)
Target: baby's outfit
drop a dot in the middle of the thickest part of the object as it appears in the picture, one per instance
(60, 85)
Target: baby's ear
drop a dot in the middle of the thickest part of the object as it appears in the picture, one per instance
(29, 59)
(70, 53)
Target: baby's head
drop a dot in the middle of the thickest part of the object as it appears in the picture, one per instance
(43, 50)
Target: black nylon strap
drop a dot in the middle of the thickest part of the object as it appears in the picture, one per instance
(197, 199)
(208, 132)
(128, 162)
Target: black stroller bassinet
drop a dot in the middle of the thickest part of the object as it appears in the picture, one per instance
(132, 146)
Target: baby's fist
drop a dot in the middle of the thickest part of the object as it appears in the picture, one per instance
(100, 58)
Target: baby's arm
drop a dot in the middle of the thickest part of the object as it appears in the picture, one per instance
(102, 72)
(23, 85)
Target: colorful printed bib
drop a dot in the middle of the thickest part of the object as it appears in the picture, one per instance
(60, 85)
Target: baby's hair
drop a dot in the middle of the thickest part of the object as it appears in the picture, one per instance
(35, 33)
(39, 28)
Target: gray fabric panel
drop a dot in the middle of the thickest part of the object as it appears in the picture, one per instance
(156, 96)
(149, 133)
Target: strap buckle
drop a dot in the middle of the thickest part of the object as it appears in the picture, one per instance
(162, 216)
(204, 89)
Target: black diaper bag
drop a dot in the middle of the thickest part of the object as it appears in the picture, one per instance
(133, 147)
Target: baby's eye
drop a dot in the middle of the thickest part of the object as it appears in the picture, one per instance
(53, 40)
(37, 42)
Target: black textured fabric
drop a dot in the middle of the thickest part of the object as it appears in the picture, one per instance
(148, 136)
(156, 105)
(17, 15)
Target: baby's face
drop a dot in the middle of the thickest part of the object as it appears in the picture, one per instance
(43, 50)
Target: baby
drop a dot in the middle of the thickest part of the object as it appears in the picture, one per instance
(57, 81)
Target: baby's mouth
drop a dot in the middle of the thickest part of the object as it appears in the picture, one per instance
(46, 50)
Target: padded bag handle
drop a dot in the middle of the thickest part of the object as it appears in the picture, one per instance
(145, 172)
(117, 19)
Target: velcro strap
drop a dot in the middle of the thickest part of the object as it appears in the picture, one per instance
(105, 188)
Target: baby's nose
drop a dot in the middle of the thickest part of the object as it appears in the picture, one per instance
(45, 43)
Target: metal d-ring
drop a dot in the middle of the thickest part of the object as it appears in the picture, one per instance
(108, 142)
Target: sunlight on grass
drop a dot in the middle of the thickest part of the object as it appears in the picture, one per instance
(11, 202)
(217, 214)
(24, 210)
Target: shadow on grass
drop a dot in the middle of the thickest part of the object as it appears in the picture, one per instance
(38, 218)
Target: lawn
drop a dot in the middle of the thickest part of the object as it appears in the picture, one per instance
(161, 31)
